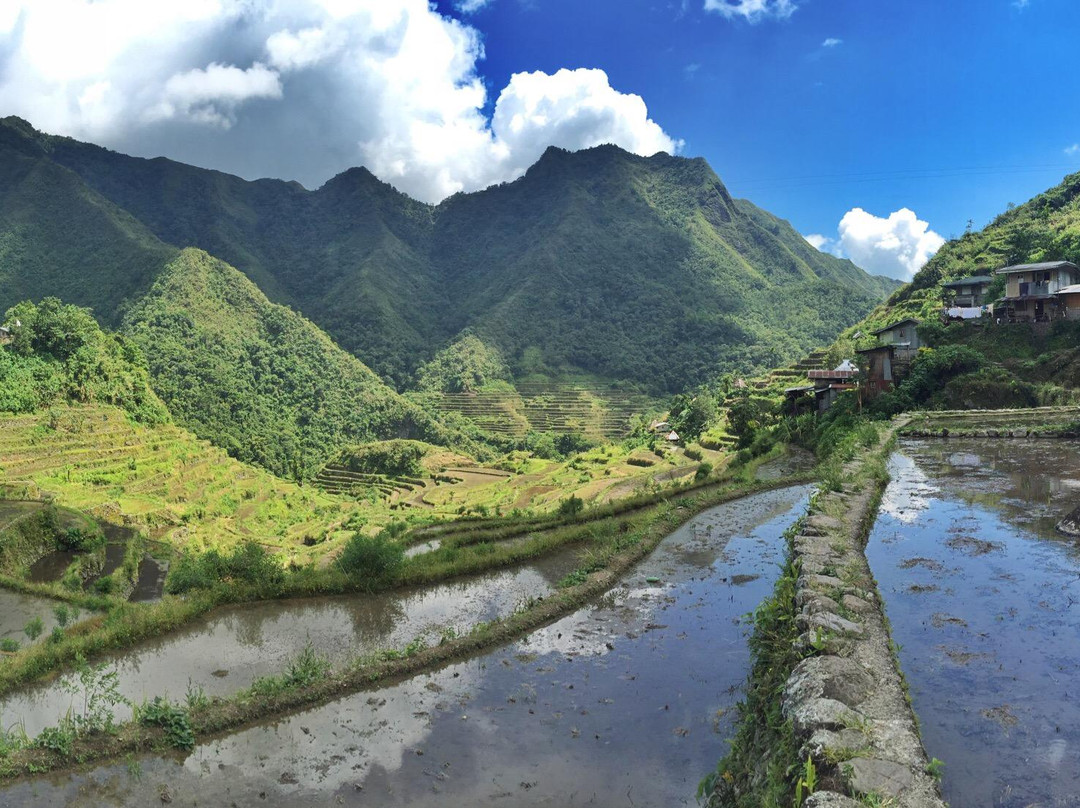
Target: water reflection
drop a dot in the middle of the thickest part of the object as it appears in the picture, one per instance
(984, 600)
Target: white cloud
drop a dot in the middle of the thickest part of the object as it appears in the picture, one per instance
(301, 89)
(753, 11)
(819, 242)
(832, 42)
(1073, 150)
(896, 246)
(211, 95)
(471, 6)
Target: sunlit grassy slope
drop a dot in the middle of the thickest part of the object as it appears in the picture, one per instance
(164, 479)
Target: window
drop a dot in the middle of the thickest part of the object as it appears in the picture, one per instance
(902, 333)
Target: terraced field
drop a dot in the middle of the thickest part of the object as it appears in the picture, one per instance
(602, 412)
(162, 479)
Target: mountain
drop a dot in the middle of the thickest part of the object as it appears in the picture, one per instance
(248, 374)
(255, 377)
(599, 262)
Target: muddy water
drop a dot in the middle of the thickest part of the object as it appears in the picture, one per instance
(984, 598)
(51, 567)
(150, 583)
(228, 649)
(16, 610)
(627, 702)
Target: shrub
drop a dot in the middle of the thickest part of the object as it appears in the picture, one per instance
(571, 506)
(703, 471)
(9, 645)
(248, 563)
(372, 560)
(81, 540)
(693, 454)
(173, 719)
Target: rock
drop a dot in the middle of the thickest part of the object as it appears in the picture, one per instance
(857, 605)
(816, 565)
(819, 524)
(817, 602)
(830, 799)
(884, 777)
(820, 581)
(828, 623)
(830, 677)
(809, 716)
(824, 741)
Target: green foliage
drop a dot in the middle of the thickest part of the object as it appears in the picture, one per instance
(258, 379)
(391, 458)
(622, 266)
(373, 561)
(173, 719)
(60, 354)
(34, 628)
(571, 506)
(464, 366)
(81, 539)
(703, 471)
(247, 563)
(9, 645)
(692, 414)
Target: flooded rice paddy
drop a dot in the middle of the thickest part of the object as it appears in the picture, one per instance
(984, 600)
(625, 702)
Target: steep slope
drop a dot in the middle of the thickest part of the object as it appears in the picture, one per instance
(626, 268)
(1045, 228)
(638, 268)
(255, 377)
(59, 237)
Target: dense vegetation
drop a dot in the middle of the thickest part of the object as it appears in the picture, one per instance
(258, 379)
(58, 353)
(1046, 228)
(628, 268)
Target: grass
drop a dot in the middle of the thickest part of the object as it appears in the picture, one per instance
(308, 680)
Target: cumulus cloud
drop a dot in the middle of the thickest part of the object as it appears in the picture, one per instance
(832, 42)
(753, 11)
(896, 246)
(303, 89)
(471, 6)
(819, 242)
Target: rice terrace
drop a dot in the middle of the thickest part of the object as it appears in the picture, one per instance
(397, 408)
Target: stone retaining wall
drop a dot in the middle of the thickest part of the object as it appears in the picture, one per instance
(848, 701)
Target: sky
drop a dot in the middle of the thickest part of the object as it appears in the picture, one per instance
(878, 128)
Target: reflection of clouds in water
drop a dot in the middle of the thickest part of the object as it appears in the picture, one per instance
(338, 745)
(964, 460)
(909, 492)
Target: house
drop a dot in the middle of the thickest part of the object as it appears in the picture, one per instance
(829, 384)
(903, 338)
(657, 427)
(967, 293)
(1069, 302)
(672, 437)
(5, 335)
(1031, 291)
(877, 366)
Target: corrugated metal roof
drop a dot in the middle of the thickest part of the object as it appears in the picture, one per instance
(1070, 290)
(1046, 265)
(831, 374)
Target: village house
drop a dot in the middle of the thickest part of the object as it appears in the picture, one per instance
(965, 298)
(884, 365)
(1031, 292)
(1069, 306)
(825, 386)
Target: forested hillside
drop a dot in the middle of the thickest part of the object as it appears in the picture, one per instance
(1045, 228)
(622, 267)
(258, 379)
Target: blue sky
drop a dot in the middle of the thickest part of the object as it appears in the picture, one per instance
(876, 127)
(950, 108)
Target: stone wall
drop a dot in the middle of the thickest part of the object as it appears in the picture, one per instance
(847, 701)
